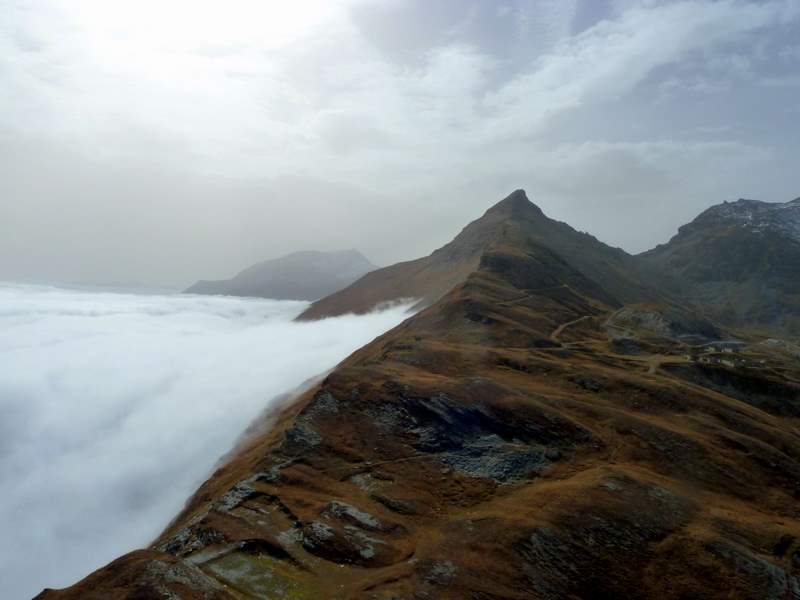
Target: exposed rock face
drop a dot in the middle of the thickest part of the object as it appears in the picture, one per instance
(297, 276)
(664, 322)
(458, 456)
(766, 218)
(145, 574)
(428, 279)
(738, 261)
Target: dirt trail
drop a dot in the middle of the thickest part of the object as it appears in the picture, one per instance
(530, 294)
(560, 329)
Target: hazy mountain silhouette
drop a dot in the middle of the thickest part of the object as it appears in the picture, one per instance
(305, 275)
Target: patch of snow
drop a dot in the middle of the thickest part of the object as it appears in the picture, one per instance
(759, 217)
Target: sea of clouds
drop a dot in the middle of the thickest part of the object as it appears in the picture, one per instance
(114, 407)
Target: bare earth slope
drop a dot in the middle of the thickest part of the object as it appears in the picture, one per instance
(496, 446)
(428, 279)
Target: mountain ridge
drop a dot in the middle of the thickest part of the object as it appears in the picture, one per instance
(756, 215)
(428, 278)
(500, 444)
(739, 262)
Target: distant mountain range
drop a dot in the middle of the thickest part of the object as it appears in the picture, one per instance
(307, 275)
(557, 420)
(737, 263)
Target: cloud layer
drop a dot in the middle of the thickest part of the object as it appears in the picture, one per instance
(114, 407)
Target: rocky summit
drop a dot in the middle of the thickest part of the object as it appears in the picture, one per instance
(738, 262)
(547, 426)
(765, 218)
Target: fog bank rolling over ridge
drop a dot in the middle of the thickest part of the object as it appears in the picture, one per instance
(114, 407)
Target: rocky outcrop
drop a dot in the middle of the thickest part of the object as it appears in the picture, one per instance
(663, 322)
(145, 574)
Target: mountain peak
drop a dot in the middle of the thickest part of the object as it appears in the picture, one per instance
(750, 215)
(516, 224)
(515, 204)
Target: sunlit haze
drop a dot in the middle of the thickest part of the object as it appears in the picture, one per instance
(163, 142)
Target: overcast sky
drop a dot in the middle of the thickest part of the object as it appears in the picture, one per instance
(162, 141)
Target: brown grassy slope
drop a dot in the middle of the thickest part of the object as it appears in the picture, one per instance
(466, 455)
(428, 279)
